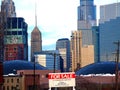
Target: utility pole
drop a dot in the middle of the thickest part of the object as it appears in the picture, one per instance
(117, 63)
(54, 61)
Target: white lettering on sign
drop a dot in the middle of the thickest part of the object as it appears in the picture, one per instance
(61, 79)
(61, 76)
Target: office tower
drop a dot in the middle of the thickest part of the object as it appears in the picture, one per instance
(109, 30)
(86, 19)
(86, 14)
(15, 39)
(15, 33)
(81, 55)
(108, 12)
(8, 9)
(36, 39)
(50, 59)
(36, 42)
(63, 46)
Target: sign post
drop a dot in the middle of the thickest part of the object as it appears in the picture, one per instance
(61, 80)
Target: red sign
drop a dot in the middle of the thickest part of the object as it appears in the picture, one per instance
(61, 75)
(62, 79)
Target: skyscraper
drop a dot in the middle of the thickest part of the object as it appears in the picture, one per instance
(63, 46)
(36, 42)
(109, 30)
(15, 39)
(8, 9)
(36, 39)
(82, 40)
(86, 19)
(15, 33)
(81, 55)
(86, 14)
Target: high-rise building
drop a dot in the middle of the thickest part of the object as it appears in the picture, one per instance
(15, 39)
(15, 33)
(81, 55)
(109, 30)
(36, 39)
(50, 59)
(86, 19)
(8, 9)
(36, 42)
(63, 46)
(86, 14)
(108, 12)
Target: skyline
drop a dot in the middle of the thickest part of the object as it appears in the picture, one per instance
(52, 16)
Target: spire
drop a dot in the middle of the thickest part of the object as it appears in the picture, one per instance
(35, 13)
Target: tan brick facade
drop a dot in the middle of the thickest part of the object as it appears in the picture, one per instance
(80, 55)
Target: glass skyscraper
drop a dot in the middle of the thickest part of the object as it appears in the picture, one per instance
(86, 19)
(63, 46)
(86, 14)
(109, 29)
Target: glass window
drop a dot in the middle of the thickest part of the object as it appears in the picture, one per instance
(14, 22)
(19, 32)
(14, 32)
(8, 23)
(8, 32)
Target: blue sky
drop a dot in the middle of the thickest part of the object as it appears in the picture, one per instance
(55, 18)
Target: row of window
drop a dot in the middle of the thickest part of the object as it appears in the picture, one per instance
(11, 87)
(15, 33)
(16, 23)
(11, 80)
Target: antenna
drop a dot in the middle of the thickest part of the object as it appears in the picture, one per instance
(35, 13)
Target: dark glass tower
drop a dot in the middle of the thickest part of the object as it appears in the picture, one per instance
(63, 46)
(86, 14)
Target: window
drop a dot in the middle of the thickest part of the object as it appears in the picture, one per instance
(14, 32)
(7, 87)
(11, 80)
(19, 32)
(17, 80)
(7, 80)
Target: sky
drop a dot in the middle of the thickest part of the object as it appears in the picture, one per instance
(55, 18)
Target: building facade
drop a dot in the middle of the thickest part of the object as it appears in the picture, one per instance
(109, 30)
(76, 44)
(36, 42)
(86, 14)
(49, 59)
(8, 9)
(63, 46)
(81, 55)
(83, 38)
(27, 80)
(15, 39)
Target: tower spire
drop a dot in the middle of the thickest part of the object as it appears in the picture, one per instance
(35, 13)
